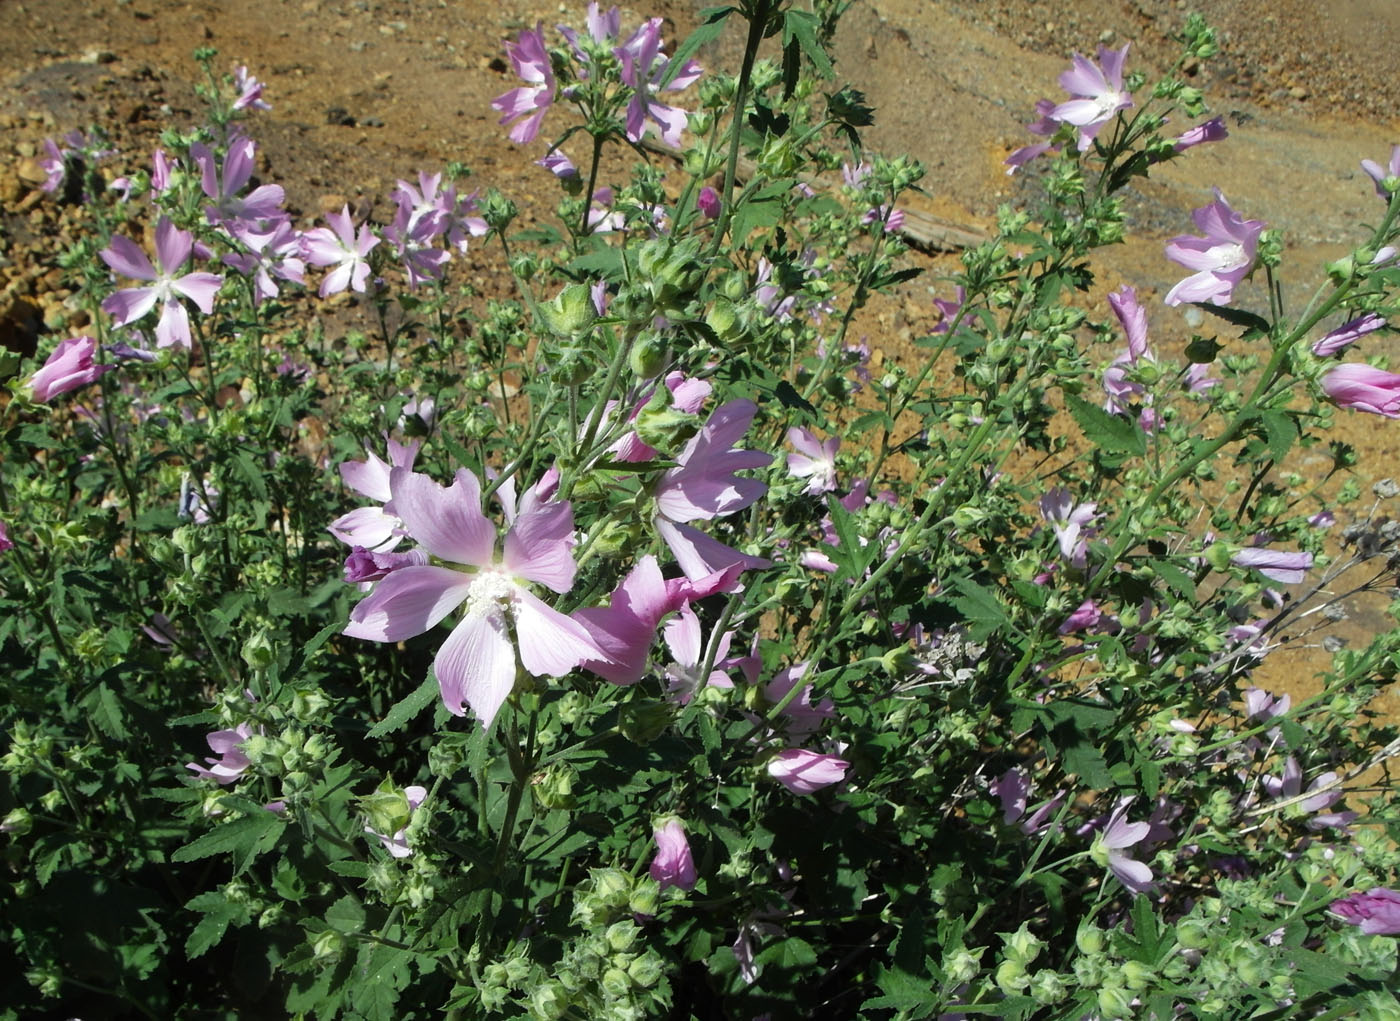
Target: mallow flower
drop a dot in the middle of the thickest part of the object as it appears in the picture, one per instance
(68, 368)
(806, 772)
(528, 104)
(644, 68)
(704, 485)
(6, 543)
(1347, 334)
(1363, 388)
(1377, 911)
(673, 864)
(504, 623)
(375, 528)
(173, 248)
(1379, 174)
(1221, 259)
(230, 762)
(1277, 565)
(1112, 843)
(341, 246)
(1098, 94)
(815, 460)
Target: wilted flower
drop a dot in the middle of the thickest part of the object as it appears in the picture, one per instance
(1363, 388)
(673, 864)
(1377, 911)
(1221, 259)
(1212, 130)
(1347, 334)
(1277, 565)
(68, 368)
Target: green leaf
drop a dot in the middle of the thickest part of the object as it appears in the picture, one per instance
(800, 27)
(218, 911)
(1280, 432)
(980, 606)
(1111, 433)
(346, 915)
(1254, 326)
(244, 838)
(408, 709)
(1088, 762)
(711, 26)
(105, 709)
(1177, 579)
(381, 972)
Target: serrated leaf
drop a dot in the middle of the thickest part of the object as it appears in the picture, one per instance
(1280, 432)
(105, 710)
(244, 838)
(800, 27)
(980, 606)
(1175, 577)
(346, 915)
(1111, 433)
(710, 28)
(219, 912)
(408, 709)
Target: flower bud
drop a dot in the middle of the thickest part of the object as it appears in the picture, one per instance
(616, 984)
(644, 722)
(1089, 938)
(571, 313)
(1021, 945)
(387, 809)
(1048, 987)
(555, 787)
(649, 355)
(645, 898)
(622, 935)
(549, 1001)
(327, 947)
(257, 650)
(1137, 975)
(962, 965)
(18, 821)
(1011, 977)
(1115, 1003)
(646, 970)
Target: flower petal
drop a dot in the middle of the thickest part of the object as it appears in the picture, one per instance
(408, 602)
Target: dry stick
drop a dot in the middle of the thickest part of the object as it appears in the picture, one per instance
(924, 231)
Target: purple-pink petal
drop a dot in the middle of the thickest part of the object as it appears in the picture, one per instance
(408, 602)
(448, 523)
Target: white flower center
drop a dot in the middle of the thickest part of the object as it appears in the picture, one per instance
(1231, 256)
(490, 590)
(1107, 103)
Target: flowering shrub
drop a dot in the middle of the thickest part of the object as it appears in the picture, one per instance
(769, 683)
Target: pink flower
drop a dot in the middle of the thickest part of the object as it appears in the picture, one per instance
(271, 253)
(1098, 94)
(6, 543)
(1115, 378)
(249, 91)
(397, 845)
(558, 164)
(687, 647)
(231, 763)
(528, 104)
(160, 171)
(477, 663)
(1377, 911)
(673, 864)
(644, 67)
(814, 461)
(68, 368)
(1115, 839)
(1277, 565)
(262, 205)
(1363, 388)
(1069, 521)
(1346, 334)
(1085, 617)
(1044, 126)
(802, 717)
(1212, 130)
(625, 629)
(708, 202)
(1221, 259)
(703, 485)
(1380, 174)
(948, 310)
(342, 248)
(377, 529)
(804, 772)
(173, 248)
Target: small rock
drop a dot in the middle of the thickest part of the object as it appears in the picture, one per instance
(372, 122)
(1298, 92)
(29, 171)
(98, 57)
(340, 116)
